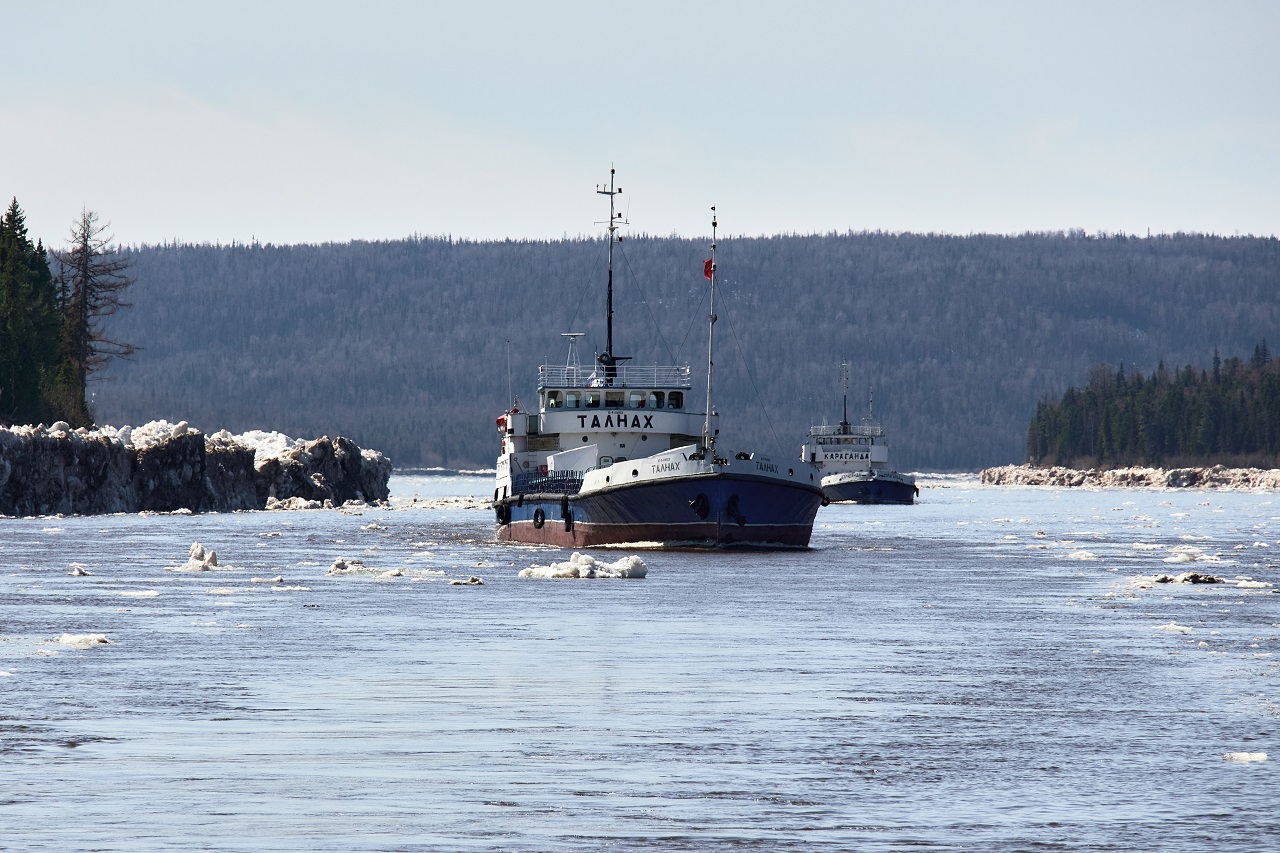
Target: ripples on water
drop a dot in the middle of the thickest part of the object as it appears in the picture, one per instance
(977, 672)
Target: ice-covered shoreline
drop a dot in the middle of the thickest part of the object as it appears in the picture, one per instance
(1213, 477)
(163, 467)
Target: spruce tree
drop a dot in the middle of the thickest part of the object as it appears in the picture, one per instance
(29, 323)
(94, 277)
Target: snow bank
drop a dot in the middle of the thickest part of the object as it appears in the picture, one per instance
(585, 566)
(1213, 477)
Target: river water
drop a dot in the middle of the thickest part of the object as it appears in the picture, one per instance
(986, 670)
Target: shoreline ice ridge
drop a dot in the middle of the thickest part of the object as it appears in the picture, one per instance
(167, 467)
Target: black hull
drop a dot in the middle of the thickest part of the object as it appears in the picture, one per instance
(721, 510)
(873, 491)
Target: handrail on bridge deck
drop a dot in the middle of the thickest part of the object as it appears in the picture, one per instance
(624, 376)
(870, 430)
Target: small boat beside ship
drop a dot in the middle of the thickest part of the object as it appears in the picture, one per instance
(854, 461)
(620, 453)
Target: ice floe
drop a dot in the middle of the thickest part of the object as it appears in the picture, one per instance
(585, 566)
(83, 641)
(77, 571)
(199, 560)
(1082, 555)
(141, 593)
(1188, 577)
(471, 581)
(343, 566)
(1174, 627)
(1244, 757)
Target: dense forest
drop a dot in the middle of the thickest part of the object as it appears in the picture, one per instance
(1189, 416)
(51, 338)
(403, 345)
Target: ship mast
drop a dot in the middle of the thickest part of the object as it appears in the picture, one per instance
(607, 359)
(708, 437)
(844, 381)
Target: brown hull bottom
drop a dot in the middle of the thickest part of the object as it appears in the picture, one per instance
(708, 534)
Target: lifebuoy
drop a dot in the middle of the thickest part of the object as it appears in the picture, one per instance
(539, 518)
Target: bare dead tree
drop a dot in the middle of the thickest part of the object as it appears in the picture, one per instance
(93, 276)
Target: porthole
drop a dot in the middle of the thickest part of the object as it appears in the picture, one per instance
(644, 438)
(790, 473)
(635, 473)
(584, 439)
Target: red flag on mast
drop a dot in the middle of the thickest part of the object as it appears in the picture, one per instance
(707, 267)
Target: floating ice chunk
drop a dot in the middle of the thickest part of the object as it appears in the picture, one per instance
(77, 571)
(1188, 578)
(142, 593)
(1249, 583)
(293, 503)
(1082, 555)
(585, 566)
(1175, 628)
(276, 579)
(1244, 757)
(1039, 534)
(391, 573)
(199, 560)
(290, 588)
(4, 674)
(373, 525)
(343, 566)
(471, 581)
(83, 641)
(1183, 557)
(224, 590)
(1146, 546)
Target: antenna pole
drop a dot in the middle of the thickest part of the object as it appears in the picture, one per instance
(607, 358)
(844, 380)
(510, 393)
(708, 438)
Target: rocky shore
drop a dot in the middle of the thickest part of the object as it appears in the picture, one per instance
(1215, 477)
(165, 467)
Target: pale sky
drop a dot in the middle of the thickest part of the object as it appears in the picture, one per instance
(315, 121)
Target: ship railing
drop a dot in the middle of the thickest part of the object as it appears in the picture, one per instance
(872, 430)
(553, 482)
(624, 376)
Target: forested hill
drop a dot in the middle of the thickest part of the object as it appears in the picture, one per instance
(402, 345)
(1180, 417)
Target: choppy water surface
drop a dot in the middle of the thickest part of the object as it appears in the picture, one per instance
(981, 671)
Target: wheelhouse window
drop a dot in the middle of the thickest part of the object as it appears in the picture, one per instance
(571, 399)
(553, 399)
(593, 399)
(637, 400)
(656, 399)
(675, 400)
(613, 399)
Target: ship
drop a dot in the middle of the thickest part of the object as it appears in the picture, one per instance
(854, 460)
(619, 453)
